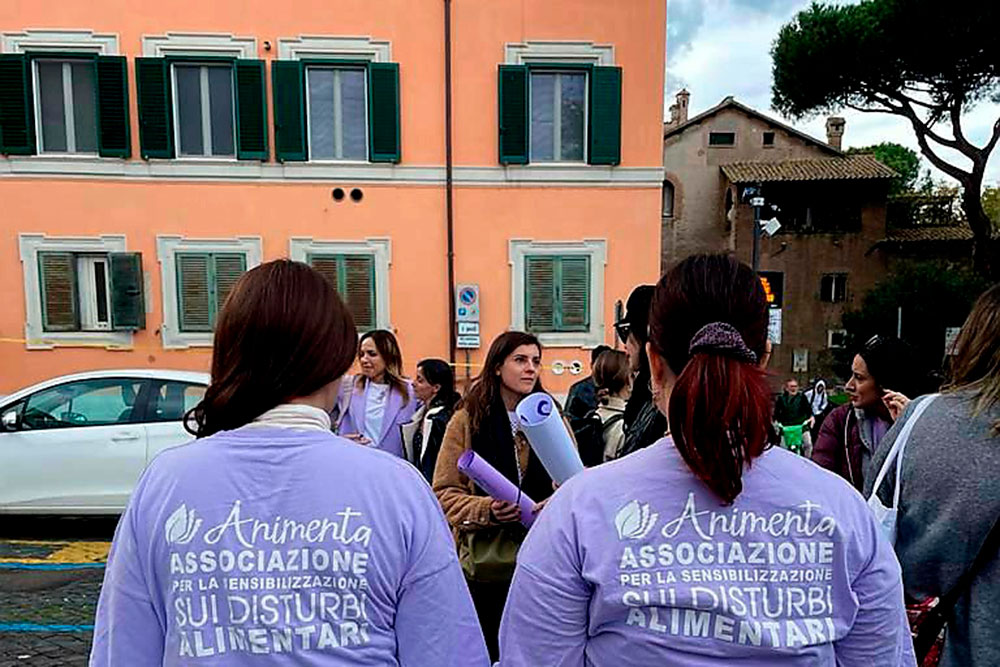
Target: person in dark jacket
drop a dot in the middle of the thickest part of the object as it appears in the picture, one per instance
(582, 397)
(882, 379)
(792, 409)
(434, 387)
(644, 424)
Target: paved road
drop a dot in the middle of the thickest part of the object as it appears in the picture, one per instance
(50, 578)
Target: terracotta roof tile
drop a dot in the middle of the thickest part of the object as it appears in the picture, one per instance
(929, 233)
(849, 167)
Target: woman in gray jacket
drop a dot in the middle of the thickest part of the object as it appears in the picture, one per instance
(950, 490)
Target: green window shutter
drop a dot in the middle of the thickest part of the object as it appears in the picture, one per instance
(573, 293)
(328, 266)
(114, 138)
(540, 293)
(383, 112)
(359, 290)
(193, 294)
(17, 118)
(156, 128)
(251, 110)
(57, 284)
(226, 271)
(128, 304)
(513, 117)
(287, 82)
(605, 115)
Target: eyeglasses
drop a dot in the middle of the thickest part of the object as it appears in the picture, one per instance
(873, 342)
(622, 329)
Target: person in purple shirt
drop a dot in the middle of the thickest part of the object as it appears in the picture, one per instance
(376, 403)
(270, 540)
(711, 547)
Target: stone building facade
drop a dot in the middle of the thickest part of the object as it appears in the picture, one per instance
(831, 207)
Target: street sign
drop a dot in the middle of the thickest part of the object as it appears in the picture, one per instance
(468, 328)
(467, 303)
(468, 342)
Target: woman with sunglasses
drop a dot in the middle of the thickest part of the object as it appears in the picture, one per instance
(882, 380)
(643, 423)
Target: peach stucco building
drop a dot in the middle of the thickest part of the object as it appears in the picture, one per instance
(152, 151)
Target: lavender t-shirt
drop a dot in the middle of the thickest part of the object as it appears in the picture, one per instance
(636, 562)
(276, 546)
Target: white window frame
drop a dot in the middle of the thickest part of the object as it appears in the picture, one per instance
(540, 52)
(87, 284)
(328, 46)
(69, 41)
(596, 249)
(339, 130)
(557, 116)
(830, 333)
(206, 112)
(833, 288)
(300, 247)
(167, 248)
(198, 45)
(68, 117)
(36, 337)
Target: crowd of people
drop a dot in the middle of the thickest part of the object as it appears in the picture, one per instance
(324, 518)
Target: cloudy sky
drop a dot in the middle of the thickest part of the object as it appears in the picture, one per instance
(717, 48)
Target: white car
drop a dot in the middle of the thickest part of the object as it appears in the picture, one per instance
(77, 444)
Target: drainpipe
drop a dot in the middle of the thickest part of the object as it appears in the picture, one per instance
(449, 184)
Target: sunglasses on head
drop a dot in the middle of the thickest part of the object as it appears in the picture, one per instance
(622, 329)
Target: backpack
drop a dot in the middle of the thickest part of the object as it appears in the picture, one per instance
(589, 433)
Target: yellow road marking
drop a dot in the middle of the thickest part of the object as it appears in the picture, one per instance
(65, 552)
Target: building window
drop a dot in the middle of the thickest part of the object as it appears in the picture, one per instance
(557, 293)
(836, 338)
(197, 275)
(721, 138)
(81, 290)
(66, 106)
(668, 199)
(90, 292)
(768, 139)
(833, 288)
(558, 116)
(336, 110)
(359, 270)
(353, 276)
(558, 290)
(204, 280)
(204, 118)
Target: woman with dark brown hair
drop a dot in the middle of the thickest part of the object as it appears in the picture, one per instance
(485, 423)
(949, 492)
(269, 539)
(378, 401)
(710, 547)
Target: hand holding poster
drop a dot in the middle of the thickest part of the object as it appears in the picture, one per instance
(492, 482)
(543, 426)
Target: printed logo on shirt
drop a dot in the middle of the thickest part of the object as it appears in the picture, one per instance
(635, 521)
(181, 526)
(267, 585)
(732, 574)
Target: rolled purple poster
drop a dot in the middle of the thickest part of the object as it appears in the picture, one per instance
(490, 480)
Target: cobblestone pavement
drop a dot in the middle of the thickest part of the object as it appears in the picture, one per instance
(50, 578)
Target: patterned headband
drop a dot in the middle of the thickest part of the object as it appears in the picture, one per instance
(721, 338)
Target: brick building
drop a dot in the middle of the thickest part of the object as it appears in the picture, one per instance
(832, 210)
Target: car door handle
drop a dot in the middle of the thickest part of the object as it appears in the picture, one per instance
(125, 437)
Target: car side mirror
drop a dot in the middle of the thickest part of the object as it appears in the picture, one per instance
(11, 421)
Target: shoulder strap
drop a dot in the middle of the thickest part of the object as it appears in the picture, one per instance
(895, 454)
